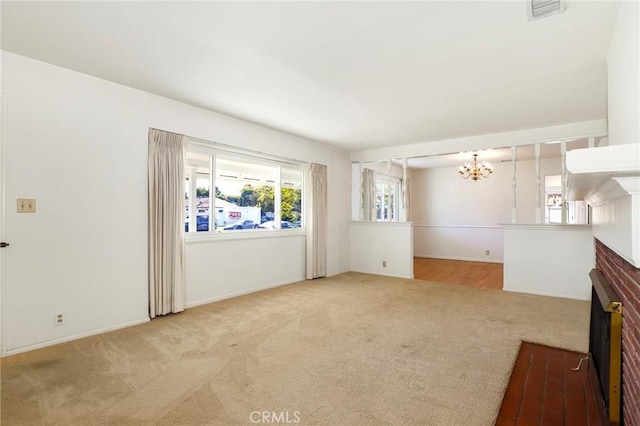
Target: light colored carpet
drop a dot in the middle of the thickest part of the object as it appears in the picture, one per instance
(354, 349)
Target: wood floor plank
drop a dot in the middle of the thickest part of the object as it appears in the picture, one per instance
(474, 274)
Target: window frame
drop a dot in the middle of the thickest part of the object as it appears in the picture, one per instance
(217, 151)
(391, 187)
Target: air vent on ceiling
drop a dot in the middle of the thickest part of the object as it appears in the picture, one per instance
(538, 9)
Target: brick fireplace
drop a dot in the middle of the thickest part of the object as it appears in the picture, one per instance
(625, 280)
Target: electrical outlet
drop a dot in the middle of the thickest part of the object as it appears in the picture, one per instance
(487, 252)
(384, 263)
(59, 320)
(26, 205)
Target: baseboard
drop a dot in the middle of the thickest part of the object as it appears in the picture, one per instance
(240, 293)
(408, 277)
(540, 293)
(466, 259)
(40, 345)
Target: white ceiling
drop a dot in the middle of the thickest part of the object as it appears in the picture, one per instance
(358, 75)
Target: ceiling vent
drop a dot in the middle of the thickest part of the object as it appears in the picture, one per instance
(538, 9)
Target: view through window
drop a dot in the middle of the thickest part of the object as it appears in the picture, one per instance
(250, 193)
(387, 198)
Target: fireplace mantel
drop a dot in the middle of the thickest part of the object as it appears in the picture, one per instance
(608, 178)
(604, 173)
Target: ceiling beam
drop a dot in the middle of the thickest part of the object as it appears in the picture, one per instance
(584, 129)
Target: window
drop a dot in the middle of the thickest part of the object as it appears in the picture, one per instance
(379, 194)
(387, 198)
(291, 197)
(250, 192)
(577, 212)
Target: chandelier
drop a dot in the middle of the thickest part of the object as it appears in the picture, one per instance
(475, 171)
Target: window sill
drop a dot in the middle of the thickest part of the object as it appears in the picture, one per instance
(207, 237)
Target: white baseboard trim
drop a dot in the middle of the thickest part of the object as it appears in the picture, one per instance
(240, 293)
(542, 293)
(466, 259)
(44, 344)
(408, 277)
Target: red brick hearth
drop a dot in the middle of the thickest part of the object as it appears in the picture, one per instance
(545, 390)
(625, 280)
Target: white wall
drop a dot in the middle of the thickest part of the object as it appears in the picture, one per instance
(458, 242)
(616, 219)
(457, 218)
(272, 261)
(550, 260)
(623, 76)
(78, 145)
(375, 242)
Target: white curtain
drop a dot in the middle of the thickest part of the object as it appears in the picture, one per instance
(368, 195)
(317, 222)
(166, 222)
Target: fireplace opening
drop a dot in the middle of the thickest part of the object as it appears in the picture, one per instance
(605, 345)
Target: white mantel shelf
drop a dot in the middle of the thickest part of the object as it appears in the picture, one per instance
(603, 173)
(608, 179)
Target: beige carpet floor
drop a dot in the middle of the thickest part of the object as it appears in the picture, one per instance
(354, 349)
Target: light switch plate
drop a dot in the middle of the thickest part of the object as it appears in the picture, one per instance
(26, 205)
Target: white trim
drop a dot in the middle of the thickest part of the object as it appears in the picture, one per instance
(406, 277)
(591, 169)
(612, 159)
(614, 188)
(563, 180)
(241, 293)
(514, 184)
(247, 234)
(277, 199)
(465, 259)
(73, 337)
(212, 199)
(3, 168)
(538, 182)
